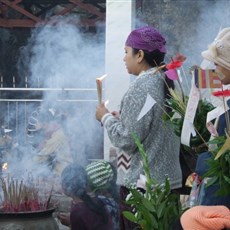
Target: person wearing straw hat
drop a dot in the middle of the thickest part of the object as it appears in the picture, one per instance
(141, 111)
(218, 52)
(212, 211)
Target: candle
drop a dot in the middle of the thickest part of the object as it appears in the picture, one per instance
(99, 87)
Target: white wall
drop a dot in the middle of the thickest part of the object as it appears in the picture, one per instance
(119, 19)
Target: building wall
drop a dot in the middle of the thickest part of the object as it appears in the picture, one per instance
(188, 25)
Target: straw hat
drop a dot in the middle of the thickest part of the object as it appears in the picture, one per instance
(219, 50)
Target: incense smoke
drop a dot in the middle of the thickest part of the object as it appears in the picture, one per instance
(65, 60)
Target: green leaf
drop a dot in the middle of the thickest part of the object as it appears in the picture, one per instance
(211, 181)
(161, 208)
(227, 179)
(147, 204)
(130, 216)
(160, 198)
(156, 208)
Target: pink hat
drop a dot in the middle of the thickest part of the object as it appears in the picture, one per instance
(206, 218)
(146, 38)
(219, 51)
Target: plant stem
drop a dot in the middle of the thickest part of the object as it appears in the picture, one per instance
(226, 114)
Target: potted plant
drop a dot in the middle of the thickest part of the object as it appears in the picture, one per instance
(157, 207)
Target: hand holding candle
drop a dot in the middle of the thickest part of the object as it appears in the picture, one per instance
(99, 87)
(101, 110)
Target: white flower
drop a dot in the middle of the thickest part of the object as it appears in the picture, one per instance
(128, 197)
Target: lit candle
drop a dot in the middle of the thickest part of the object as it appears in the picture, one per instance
(99, 87)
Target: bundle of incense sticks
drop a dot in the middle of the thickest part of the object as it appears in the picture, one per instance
(99, 87)
(19, 197)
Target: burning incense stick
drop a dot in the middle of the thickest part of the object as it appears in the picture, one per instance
(20, 197)
(99, 87)
(49, 198)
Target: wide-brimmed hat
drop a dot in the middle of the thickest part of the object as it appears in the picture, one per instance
(219, 50)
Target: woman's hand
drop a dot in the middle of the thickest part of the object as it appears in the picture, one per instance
(64, 218)
(116, 114)
(101, 110)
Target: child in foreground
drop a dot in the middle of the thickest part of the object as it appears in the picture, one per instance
(87, 213)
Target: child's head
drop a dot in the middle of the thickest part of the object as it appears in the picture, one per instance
(74, 184)
(101, 175)
(219, 53)
(74, 180)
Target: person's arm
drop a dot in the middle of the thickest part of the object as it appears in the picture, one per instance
(77, 221)
(64, 218)
(120, 130)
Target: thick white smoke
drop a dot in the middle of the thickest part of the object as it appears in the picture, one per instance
(65, 60)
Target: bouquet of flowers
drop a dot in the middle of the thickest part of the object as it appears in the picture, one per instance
(177, 103)
(219, 163)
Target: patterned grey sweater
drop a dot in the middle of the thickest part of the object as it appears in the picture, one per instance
(159, 141)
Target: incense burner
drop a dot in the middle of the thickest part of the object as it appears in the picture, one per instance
(37, 220)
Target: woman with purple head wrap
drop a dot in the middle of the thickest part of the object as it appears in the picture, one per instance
(141, 113)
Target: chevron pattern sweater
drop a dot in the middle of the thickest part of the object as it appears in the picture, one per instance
(159, 141)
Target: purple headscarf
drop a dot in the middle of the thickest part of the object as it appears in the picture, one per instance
(146, 38)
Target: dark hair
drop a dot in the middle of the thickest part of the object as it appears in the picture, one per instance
(96, 205)
(74, 180)
(154, 59)
(111, 188)
(74, 183)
